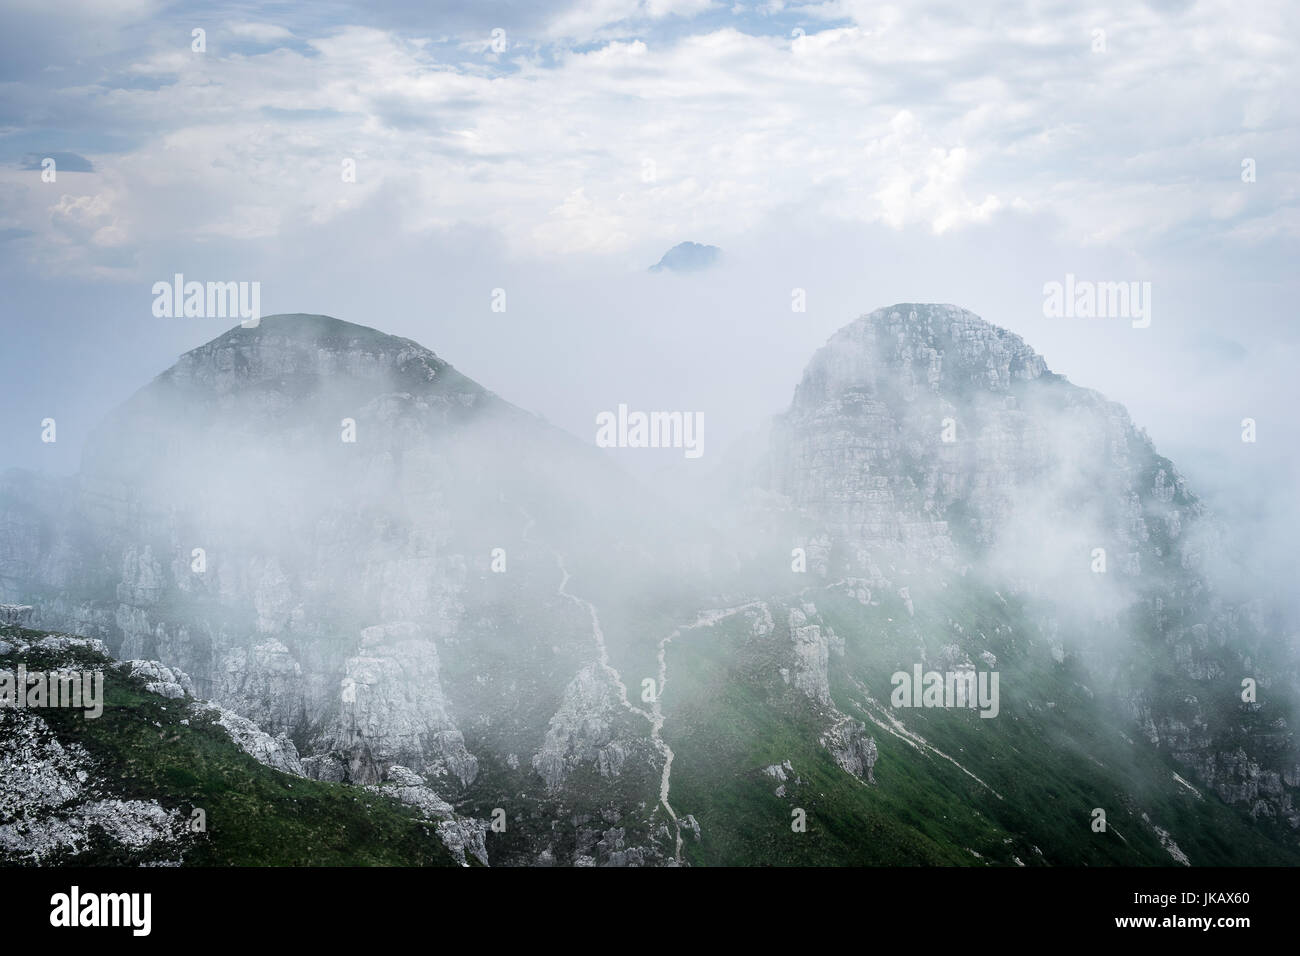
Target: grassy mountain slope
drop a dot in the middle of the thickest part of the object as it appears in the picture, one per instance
(1056, 751)
(146, 747)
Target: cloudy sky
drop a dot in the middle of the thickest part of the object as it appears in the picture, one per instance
(865, 153)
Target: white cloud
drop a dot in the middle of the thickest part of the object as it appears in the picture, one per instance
(583, 20)
(260, 32)
(927, 117)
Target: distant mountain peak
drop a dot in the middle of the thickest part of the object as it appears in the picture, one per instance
(687, 257)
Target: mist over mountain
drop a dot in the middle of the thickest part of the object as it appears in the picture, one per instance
(407, 582)
(923, 436)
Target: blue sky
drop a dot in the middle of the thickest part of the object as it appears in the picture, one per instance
(868, 153)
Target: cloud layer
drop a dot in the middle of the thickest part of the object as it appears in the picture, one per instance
(613, 124)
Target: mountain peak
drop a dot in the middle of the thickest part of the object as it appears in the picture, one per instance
(300, 349)
(323, 330)
(917, 414)
(687, 257)
(940, 324)
(938, 347)
(278, 376)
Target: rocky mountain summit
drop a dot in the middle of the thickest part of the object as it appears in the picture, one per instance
(927, 428)
(318, 522)
(923, 436)
(293, 514)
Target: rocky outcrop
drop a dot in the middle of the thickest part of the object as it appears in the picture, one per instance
(392, 710)
(584, 731)
(277, 752)
(811, 654)
(852, 748)
(18, 614)
(52, 804)
(265, 682)
(161, 680)
(463, 836)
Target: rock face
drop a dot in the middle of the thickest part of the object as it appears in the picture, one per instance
(160, 680)
(922, 435)
(811, 656)
(925, 428)
(303, 518)
(18, 614)
(462, 836)
(392, 709)
(853, 749)
(585, 730)
(277, 752)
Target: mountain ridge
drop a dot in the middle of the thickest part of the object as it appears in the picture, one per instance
(465, 596)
